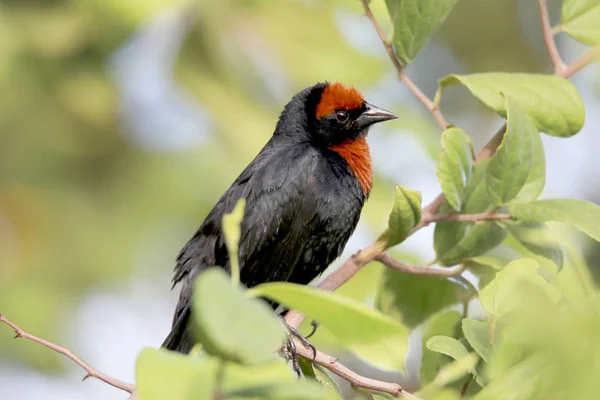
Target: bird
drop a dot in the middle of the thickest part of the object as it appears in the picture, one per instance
(304, 194)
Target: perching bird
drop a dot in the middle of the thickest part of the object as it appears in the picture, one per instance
(304, 193)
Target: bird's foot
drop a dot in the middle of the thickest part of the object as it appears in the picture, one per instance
(289, 348)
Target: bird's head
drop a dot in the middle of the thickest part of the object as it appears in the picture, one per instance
(336, 117)
(329, 114)
(341, 114)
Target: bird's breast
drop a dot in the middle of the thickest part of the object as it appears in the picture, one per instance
(357, 156)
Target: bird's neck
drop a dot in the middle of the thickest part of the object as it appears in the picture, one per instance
(357, 155)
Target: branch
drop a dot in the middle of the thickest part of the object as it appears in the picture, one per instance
(553, 53)
(422, 97)
(375, 251)
(333, 365)
(90, 371)
(485, 216)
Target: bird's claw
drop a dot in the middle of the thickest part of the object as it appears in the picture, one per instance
(289, 348)
(291, 354)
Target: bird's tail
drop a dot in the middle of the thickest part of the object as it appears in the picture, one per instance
(180, 338)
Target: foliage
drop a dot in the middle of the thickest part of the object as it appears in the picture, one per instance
(405, 215)
(536, 337)
(501, 358)
(455, 166)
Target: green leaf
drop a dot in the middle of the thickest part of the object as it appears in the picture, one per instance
(497, 258)
(447, 345)
(581, 214)
(455, 349)
(456, 370)
(413, 298)
(414, 22)
(448, 374)
(456, 241)
(405, 215)
(442, 323)
(326, 379)
(239, 377)
(486, 266)
(306, 366)
(442, 394)
(231, 325)
(316, 372)
(579, 19)
(523, 380)
(372, 335)
(293, 390)
(534, 185)
(517, 284)
(473, 240)
(454, 168)
(510, 167)
(553, 103)
(232, 232)
(536, 238)
(477, 198)
(477, 334)
(161, 374)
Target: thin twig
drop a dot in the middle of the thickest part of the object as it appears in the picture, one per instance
(465, 387)
(485, 216)
(587, 58)
(422, 97)
(90, 371)
(333, 365)
(553, 53)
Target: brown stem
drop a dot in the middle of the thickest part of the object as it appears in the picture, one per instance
(422, 97)
(485, 216)
(553, 53)
(587, 58)
(465, 387)
(333, 365)
(90, 371)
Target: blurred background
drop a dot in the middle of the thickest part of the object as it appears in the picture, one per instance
(122, 122)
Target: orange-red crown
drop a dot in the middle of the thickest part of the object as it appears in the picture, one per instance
(337, 96)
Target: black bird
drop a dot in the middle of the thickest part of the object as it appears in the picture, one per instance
(304, 193)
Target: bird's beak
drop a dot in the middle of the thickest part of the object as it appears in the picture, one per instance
(374, 115)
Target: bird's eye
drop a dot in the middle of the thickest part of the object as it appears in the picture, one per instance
(341, 116)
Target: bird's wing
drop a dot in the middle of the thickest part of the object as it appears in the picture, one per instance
(277, 187)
